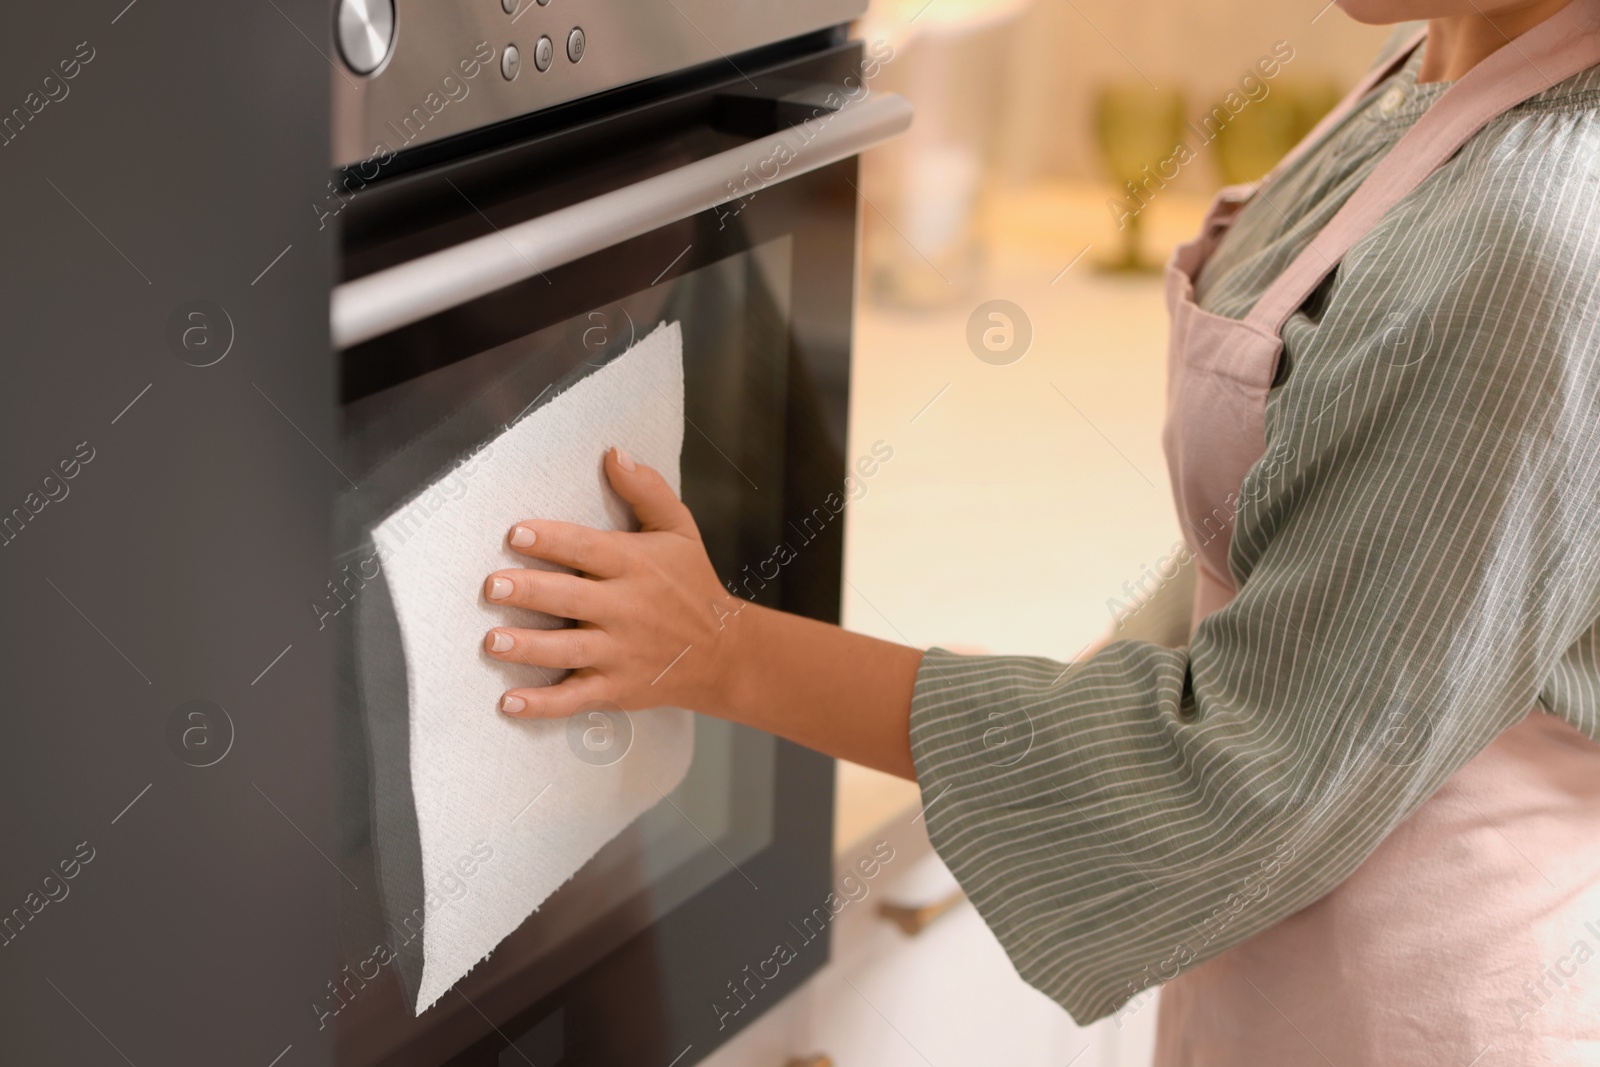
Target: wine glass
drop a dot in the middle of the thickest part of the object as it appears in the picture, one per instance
(1139, 129)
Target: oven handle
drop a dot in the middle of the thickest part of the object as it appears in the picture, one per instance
(386, 300)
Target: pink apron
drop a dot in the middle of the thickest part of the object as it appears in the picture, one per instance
(1465, 939)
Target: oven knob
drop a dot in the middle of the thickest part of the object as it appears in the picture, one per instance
(510, 62)
(575, 44)
(509, 6)
(544, 52)
(366, 31)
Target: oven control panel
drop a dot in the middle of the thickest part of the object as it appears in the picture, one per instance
(409, 72)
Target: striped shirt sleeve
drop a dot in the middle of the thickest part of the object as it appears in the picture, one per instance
(1418, 557)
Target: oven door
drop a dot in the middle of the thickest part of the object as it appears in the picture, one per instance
(473, 291)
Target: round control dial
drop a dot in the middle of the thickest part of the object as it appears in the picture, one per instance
(366, 33)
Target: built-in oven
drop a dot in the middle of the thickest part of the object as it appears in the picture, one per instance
(525, 189)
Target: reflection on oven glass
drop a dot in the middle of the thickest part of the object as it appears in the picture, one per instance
(735, 315)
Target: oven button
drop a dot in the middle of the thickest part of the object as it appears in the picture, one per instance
(365, 31)
(510, 62)
(575, 44)
(544, 51)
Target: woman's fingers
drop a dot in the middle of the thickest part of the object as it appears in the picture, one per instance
(582, 548)
(553, 701)
(634, 620)
(566, 649)
(653, 500)
(601, 552)
(564, 595)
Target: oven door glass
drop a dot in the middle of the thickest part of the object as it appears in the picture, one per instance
(633, 957)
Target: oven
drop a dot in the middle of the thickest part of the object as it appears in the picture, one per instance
(521, 192)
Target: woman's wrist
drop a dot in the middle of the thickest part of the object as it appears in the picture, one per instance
(730, 686)
(820, 686)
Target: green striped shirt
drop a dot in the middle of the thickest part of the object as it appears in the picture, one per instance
(1418, 557)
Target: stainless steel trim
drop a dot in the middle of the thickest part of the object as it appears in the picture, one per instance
(428, 83)
(374, 305)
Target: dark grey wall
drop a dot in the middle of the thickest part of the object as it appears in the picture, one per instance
(181, 159)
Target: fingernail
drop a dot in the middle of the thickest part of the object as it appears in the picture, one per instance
(500, 641)
(624, 460)
(511, 703)
(522, 537)
(499, 588)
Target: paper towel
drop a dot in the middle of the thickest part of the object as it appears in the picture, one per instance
(507, 809)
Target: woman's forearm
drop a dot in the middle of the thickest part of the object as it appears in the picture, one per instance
(841, 693)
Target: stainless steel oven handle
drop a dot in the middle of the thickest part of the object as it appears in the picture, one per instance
(386, 300)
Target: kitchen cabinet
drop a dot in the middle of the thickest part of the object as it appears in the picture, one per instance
(168, 423)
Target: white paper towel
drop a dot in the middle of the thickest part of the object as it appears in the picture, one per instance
(473, 770)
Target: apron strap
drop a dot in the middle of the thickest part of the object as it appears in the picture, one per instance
(1563, 45)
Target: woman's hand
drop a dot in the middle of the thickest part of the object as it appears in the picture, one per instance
(653, 620)
(657, 629)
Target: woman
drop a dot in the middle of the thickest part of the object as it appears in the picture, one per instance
(1357, 819)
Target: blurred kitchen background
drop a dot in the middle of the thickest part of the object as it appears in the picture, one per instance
(1027, 488)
